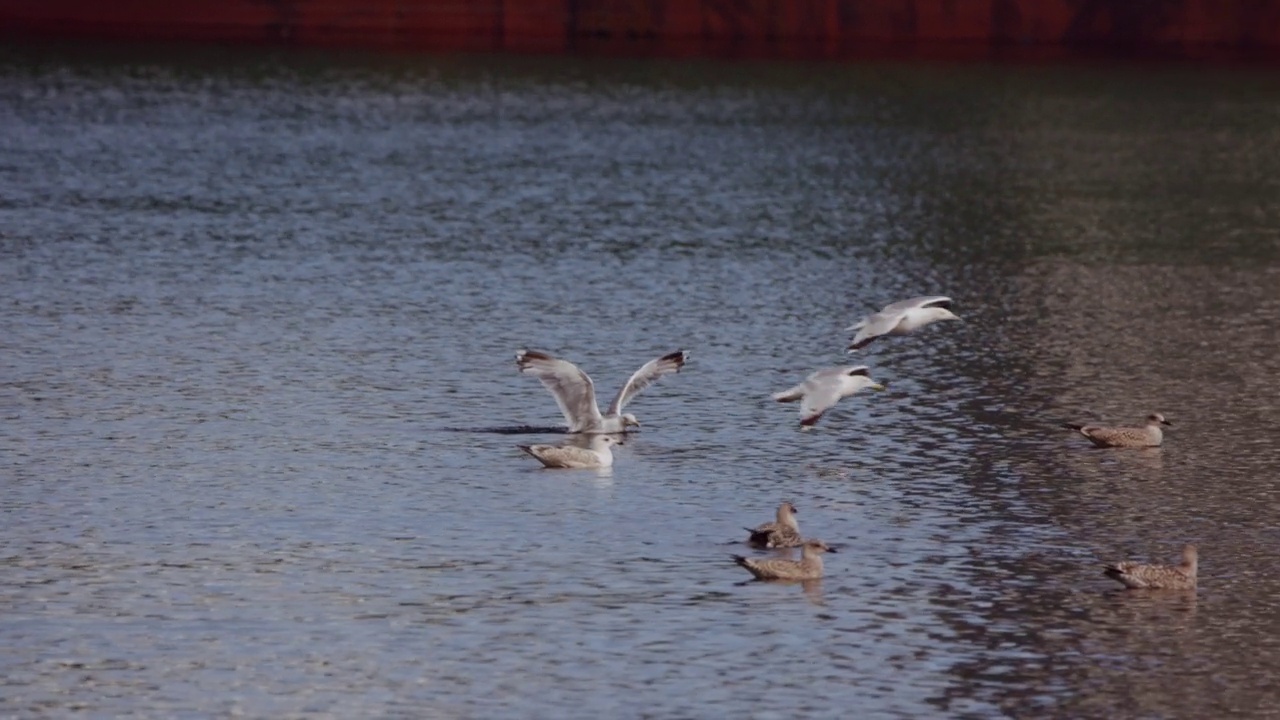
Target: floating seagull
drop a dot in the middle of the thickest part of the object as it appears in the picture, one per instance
(576, 394)
(901, 318)
(1149, 435)
(1157, 577)
(782, 533)
(824, 388)
(596, 455)
(808, 567)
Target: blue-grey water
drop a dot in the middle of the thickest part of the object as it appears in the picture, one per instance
(247, 300)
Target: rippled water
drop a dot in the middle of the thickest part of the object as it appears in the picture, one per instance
(248, 298)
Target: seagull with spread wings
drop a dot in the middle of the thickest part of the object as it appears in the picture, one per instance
(901, 318)
(576, 394)
(824, 388)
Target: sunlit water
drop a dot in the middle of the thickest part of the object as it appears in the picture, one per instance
(247, 301)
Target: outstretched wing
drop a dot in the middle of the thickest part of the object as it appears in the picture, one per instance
(821, 395)
(646, 376)
(917, 302)
(573, 390)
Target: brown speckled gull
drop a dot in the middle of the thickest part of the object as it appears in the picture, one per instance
(808, 567)
(1157, 577)
(1149, 435)
(596, 455)
(784, 532)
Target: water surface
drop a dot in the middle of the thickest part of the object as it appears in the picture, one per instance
(248, 300)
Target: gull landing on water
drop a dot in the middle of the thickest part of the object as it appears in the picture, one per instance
(808, 567)
(1149, 435)
(784, 532)
(596, 455)
(576, 394)
(824, 388)
(901, 318)
(1157, 577)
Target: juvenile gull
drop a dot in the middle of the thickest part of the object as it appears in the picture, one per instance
(596, 455)
(1157, 577)
(808, 567)
(901, 318)
(576, 394)
(781, 533)
(824, 388)
(1149, 435)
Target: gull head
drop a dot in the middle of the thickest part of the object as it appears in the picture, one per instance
(786, 510)
(629, 420)
(860, 377)
(817, 546)
(1157, 419)
(1190, 555)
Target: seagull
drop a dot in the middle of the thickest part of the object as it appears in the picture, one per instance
(1149, 435)
(1157, 577)
(782, 533)
(901, 318)
(808, 567)
(596, 455)
(576, 394)
(824, 388)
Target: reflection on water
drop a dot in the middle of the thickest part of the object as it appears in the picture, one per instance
(246, 298)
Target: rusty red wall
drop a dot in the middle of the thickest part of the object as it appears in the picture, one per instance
(1247, 29)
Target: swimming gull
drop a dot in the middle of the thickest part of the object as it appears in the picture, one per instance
(808, 567)
(1157, 577)
(596, 455)
(576, 394)
(824, 388)
(781, 533)
(1148, 435)
(901, 318)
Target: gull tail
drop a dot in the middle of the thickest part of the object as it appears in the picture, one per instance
(1114, 572)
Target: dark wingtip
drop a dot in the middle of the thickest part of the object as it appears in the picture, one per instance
(1072, 426)
(860, 345)
(527, 354)
(811, 420)
(740, 560)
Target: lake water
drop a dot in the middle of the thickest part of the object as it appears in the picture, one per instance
(256, 310)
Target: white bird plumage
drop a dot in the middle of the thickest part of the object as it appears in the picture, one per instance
(576, 394)
(901, 318)
(826, 387)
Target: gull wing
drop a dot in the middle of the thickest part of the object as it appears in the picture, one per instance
(573, 390)
(646, 376)
(821, 390)
(881, 323)
(917, 302)
(562, 456)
